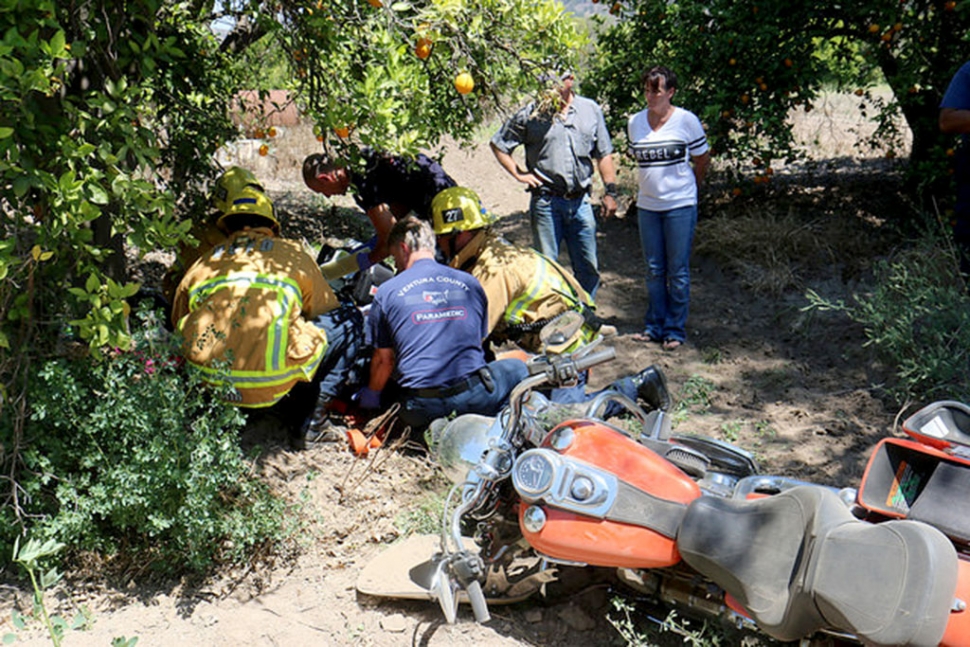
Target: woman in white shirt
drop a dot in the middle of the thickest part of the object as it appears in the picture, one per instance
(670, 148)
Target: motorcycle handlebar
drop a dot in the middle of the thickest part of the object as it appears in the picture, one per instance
(605, 355)
(477, 599)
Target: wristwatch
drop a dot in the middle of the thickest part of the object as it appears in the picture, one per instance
(610, 190)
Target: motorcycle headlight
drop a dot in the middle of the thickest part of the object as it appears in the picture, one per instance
(460, 443)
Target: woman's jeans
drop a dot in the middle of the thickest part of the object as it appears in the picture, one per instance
(555, 218)
(667, 238)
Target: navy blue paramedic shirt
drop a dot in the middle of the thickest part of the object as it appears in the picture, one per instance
(399, 180)
(434, 318)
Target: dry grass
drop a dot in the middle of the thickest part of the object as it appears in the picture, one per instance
(766, 251)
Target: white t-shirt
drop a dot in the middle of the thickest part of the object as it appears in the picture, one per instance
(666, 179)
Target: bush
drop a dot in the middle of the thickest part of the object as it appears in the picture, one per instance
(133, 454)
(917, 318)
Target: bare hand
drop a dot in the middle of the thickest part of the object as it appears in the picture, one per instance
(529, 178)
(608, 208)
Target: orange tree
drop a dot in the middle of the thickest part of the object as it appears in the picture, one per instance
(399, 75)
(110, 114)
(745, 65)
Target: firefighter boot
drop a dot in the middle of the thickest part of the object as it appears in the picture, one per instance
(652, 388)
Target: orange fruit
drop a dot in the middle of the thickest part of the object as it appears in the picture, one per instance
(263, 150)
(423, 49)
(736, 191)
(732, 62)
(745, 98)
(377, 4)
(950, 152)
(319, 138)
(464, 83)
(789, 62)
(259, 134)
(949, 6)
(859, 92)
(342, 132)
(271, 132)
(874, 29)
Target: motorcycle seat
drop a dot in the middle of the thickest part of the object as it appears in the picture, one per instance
(799, 562)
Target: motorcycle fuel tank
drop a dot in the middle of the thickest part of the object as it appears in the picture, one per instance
(593, 495)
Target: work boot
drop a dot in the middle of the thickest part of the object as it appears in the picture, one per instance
(320, 428)
(652, 388)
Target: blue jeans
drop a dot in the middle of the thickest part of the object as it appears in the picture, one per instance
(506, 373)
(555, 218)
(577, 394)
(339, 370)
(667, 238)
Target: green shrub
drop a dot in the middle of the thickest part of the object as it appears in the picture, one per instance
(917, 319)
(133, 454)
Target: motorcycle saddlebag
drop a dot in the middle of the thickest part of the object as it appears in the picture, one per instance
(906, 479)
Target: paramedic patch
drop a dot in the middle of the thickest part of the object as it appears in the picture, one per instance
(434, 316)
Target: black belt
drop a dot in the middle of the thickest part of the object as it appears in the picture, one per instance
(454, 389)
(571, 195)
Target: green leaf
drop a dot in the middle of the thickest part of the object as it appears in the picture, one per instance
(97, 194)
(5, 132)
(9, 639)
(92, 284)
(57, 43)
(21, 185)
(18, 620)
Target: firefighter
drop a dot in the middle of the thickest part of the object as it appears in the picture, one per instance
(256, 312)
(207, 233)
(525, 291)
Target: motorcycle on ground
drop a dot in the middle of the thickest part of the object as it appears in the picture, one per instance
(689, 522)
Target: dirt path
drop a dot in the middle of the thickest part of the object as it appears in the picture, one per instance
(791, 387)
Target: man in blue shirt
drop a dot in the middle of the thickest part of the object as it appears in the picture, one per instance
(955, 120)
(387, 189)
(427, 325)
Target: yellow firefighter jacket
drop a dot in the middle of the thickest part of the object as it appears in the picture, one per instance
(524, 288)
(243, 310)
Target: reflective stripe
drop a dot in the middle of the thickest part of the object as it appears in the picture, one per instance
(521, 304)
(288, 297)
(514, 313)
(256, 379)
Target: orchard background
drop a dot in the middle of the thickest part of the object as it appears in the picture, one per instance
(114, 113)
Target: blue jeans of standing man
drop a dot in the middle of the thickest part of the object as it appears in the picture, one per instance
(667, 238)
(555, 218)
(419, 412)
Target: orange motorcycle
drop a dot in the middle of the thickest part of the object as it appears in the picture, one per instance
(690, 523)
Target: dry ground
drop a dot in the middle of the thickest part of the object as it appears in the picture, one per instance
(791, 386)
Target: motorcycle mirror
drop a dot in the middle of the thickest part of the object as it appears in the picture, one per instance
(443, 588)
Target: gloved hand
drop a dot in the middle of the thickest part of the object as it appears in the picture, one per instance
(363, 260)
(368, 398)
